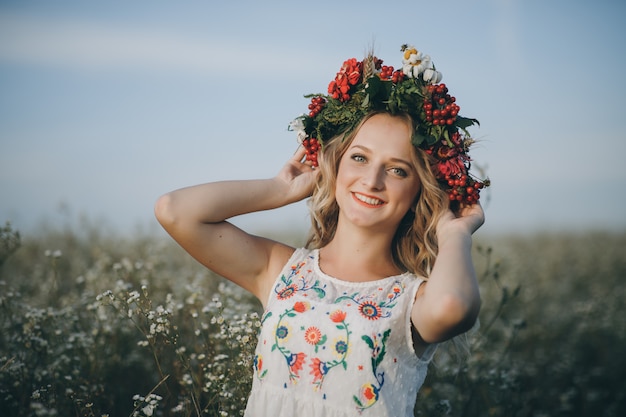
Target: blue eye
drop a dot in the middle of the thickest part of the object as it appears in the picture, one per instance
(399, 172)
(358, 158)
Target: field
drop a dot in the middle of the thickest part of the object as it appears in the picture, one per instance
(92, 324)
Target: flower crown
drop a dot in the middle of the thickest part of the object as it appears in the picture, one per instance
(361, 87)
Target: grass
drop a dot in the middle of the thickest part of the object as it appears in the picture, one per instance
(94, 325)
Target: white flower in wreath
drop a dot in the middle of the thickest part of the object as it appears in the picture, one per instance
(432, 76)
(297, 125)
(414, 62)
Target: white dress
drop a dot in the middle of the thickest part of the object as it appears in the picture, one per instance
(334, 348)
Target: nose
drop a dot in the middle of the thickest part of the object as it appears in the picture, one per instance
(373, 177)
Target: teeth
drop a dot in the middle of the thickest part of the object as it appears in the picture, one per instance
(369, 200)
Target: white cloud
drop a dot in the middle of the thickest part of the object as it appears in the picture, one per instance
(94, 46)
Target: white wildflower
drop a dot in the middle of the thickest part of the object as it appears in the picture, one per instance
(148, 410)
(297, 125)
(432, 76)
(414, 62)
(133, 296)
(187, 380)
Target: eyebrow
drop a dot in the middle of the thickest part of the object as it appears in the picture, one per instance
(397, 160)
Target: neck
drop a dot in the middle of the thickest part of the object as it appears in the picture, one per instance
(358, 254)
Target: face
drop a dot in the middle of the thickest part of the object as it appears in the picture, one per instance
(377, 182)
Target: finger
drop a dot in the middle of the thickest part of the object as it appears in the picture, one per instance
(299, 154)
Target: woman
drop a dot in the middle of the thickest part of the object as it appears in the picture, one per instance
(351, 321)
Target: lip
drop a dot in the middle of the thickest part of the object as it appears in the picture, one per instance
(366, 197)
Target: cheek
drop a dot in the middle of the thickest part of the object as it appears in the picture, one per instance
(412, 193)
(344, 175)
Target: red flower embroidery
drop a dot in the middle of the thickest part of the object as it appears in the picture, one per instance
(295, 362)
(301, 306)
(338, 316)
(318, 369)
(312, 335)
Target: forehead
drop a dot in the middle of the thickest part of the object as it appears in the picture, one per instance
(386, 134)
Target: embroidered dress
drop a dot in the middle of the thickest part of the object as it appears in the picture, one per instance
(334, 348)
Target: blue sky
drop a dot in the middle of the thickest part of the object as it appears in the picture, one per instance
(106, 105)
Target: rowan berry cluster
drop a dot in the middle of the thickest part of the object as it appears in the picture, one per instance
(440, 107)
(464, 189)
(387, 73)
(312, 147)
(316, 106)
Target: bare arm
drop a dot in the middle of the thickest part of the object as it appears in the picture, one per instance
(449, 302)
(196, 218)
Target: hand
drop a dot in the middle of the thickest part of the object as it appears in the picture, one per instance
(467, 220)
(298, 175)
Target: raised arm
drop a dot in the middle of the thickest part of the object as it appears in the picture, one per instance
(196, 218)
(449, 302)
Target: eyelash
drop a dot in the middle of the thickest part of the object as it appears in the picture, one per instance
(397, 171)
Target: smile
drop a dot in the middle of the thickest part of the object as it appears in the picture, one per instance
(370, 201)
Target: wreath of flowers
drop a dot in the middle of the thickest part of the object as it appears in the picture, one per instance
(361, 87)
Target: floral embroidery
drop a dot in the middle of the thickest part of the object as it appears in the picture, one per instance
(287, 286)
(338, 316)
(295, 361)
(283, 332)
(312, 347)
(313, 336)
(371, 308)
(368, 393)
(319, 368)
(287, 292)
(340, 347)
(258, 366)
(301, 306)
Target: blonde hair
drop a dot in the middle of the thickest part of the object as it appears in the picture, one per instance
(414, 247)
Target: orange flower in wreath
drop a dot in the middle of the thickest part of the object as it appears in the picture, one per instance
(349, 75)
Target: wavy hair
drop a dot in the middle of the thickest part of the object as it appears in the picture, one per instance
(414, 246)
